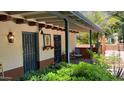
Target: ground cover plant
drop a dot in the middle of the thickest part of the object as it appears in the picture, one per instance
(70, 72)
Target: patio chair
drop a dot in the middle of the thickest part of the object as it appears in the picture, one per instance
(2, 76)
(2, 73)
(77, 51)
(72, 57)
(76, 56)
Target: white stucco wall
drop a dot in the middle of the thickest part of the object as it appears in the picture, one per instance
(46, 54)
(11, 54)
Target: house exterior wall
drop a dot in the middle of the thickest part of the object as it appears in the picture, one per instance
(11, 54)
(46, 54)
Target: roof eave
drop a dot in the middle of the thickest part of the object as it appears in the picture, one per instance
(87, 21)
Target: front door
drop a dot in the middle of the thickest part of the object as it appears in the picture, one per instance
(57, 48)
(29, 51)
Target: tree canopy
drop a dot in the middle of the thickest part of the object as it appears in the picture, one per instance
(110, 22)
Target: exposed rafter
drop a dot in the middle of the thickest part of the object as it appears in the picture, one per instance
(60, 15)
(54, 17)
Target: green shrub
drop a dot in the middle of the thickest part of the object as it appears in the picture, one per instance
(37, 75)
(99, 60)
(69, 72)
(92, 72)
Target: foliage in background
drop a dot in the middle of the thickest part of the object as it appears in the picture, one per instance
(120, 16)
(110, 22)
(83, 38)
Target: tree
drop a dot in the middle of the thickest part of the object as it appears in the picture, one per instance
(97, 18)
(110, 22)
(82, 38)
(120, 16)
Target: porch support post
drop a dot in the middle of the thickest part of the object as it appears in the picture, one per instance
(91, 45)
(98, 44)
(123, 34)
(67, 40)
(91, 40)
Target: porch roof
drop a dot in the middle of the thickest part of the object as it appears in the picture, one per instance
(77, 21)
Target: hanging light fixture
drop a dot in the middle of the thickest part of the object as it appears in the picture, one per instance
(10, 37)
(41, 31)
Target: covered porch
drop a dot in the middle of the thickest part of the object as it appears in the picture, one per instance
(64, 21)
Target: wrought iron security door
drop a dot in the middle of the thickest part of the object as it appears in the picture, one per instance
(29, 51)
(57, 48)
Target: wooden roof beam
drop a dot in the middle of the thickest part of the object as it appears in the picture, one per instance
(30, 13)
(46, 17)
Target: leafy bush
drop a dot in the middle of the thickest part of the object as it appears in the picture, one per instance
(99, 60)
(36, 75)
(69, 72)
(92, 72)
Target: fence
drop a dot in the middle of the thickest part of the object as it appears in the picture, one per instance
(114, 47)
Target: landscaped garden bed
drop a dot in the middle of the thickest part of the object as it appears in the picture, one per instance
(97, 70)
(70, 72)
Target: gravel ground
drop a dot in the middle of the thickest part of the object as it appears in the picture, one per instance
(116, 53)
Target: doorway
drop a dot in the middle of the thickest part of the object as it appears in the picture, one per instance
(30, 53)
(57, 48)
